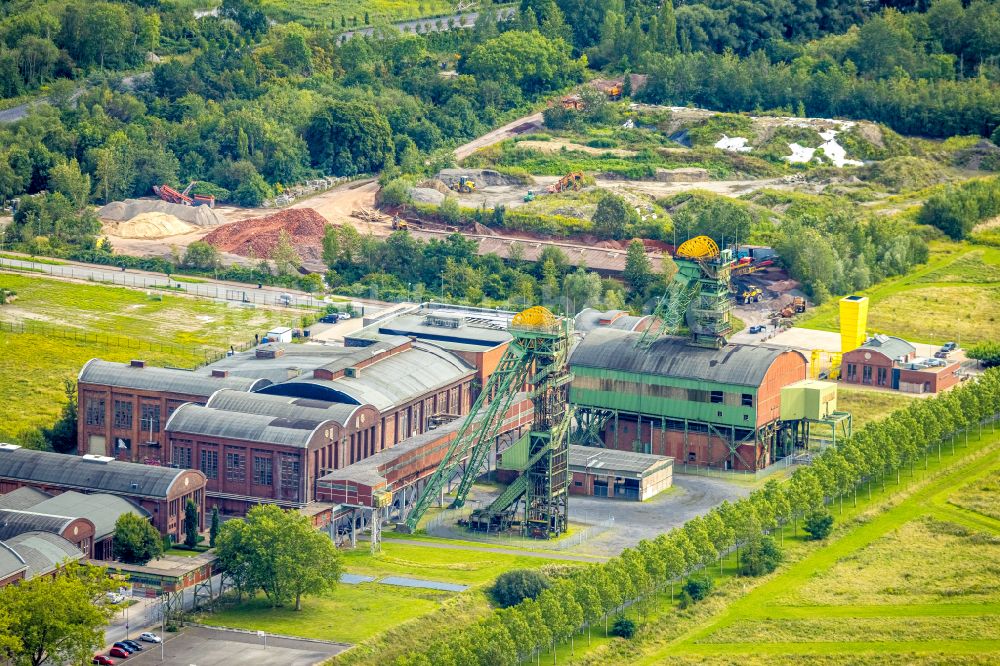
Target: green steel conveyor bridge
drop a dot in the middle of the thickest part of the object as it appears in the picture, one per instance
(536, 501)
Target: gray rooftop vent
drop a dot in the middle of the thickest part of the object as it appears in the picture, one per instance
(445, 321)
(4, 446)
(104, 460)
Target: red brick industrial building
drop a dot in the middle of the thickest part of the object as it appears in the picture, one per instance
(891, 363)
(161, 491)
(123, 406)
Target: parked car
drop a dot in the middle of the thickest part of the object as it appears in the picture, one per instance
(330, 318)
(757, 329)
(149, 637)
(942, 354)
(949, 346)
(345, 315)
(114, 597)
(118, 652)
(102, 660)
(132, 644)
(125, 646)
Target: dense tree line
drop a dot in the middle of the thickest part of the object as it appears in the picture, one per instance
(591, 594)
(403, 267)
(957, 209)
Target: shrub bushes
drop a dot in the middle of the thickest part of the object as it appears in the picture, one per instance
(760, 556)
(513, 587)
(818, 525)
(698, 586)
(623, 627)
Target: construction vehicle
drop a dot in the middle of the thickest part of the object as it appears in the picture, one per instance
(571, 181)
(751, 295)
(464, 185)
(399, 224)
(614, 93)
(799, 305)
(746, 265)
(530, 196)
(170, 195)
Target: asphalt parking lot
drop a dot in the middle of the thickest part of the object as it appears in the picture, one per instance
(205, 646)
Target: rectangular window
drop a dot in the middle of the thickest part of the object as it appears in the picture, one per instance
(182, 456)
(715, 396)
(236, 466)
(261, 471)
(150, 418)
(747, 400)
(852, 372)
(210, 463)
(123, 414)
(289, 472)
(882, 375)
(866, 374)
(95, 411)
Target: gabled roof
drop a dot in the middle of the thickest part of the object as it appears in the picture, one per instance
(99, 508)
(11, 563)
(150, 378)
(86, 473)
(42, 552)
(24, 497)
(198, 420)
(743, 365)
(891, 346)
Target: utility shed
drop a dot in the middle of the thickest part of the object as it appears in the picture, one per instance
(618, 474)
(808, 399)
(704, 407)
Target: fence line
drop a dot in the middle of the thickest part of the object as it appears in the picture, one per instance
(234, 293)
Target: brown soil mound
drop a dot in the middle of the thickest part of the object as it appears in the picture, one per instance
(259, 236)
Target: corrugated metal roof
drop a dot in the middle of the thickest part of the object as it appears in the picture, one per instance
(198, 420)
(43, 552)
(588, 458)
(10, 561)
(14, 522)
(22, 498)
(151, 378)
(392, 381)
(99, 508)
(742, 365)
(282, 406)
(72, 471)
(294, 360)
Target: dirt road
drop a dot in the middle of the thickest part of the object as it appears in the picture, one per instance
(519, 126)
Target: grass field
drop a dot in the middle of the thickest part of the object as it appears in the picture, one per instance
(867, 406)
(955, 296)
(384, 617)
(980, 496)
(329, 12)
(113, 323)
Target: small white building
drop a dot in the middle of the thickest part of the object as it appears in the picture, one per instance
(282, 334)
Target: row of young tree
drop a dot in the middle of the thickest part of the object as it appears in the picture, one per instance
(591, 594)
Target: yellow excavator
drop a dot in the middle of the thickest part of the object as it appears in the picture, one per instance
(464, 185)
(751, 295)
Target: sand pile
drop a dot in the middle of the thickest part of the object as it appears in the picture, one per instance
(259, 236)
(152, 225)
(121, 211)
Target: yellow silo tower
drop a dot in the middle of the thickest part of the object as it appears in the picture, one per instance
(853, 322)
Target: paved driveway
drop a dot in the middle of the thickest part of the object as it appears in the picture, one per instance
(205, 646)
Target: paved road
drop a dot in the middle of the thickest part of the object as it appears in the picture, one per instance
(634, 521)
(207, 288)
(458, 21)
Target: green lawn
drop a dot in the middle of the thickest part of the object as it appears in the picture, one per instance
(955, 296)
(329, 12)
(351, 613)
(466, 567)
(113, 323)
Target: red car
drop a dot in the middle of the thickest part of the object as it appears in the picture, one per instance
(102, 660)
(118, 652)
